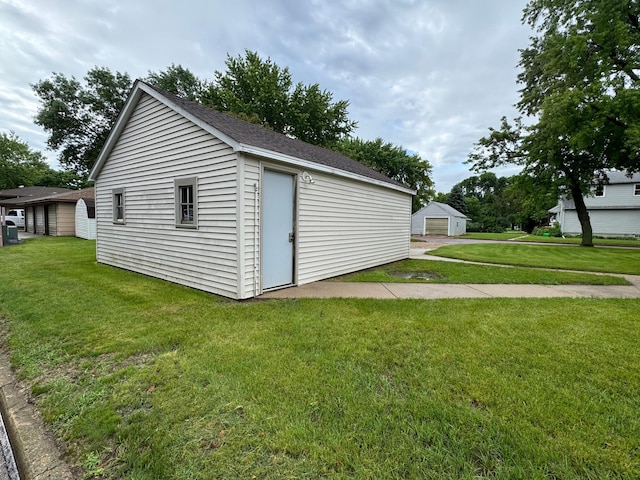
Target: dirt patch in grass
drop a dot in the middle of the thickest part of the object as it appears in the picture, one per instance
(424, 275)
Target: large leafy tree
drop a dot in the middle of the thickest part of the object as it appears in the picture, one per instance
(21, 165)
(394, 162)
(484, 200)
(78, 116)
(180, 81)
(260, 91)
(581, 87)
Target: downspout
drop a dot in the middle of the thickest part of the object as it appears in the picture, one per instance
(256, 232)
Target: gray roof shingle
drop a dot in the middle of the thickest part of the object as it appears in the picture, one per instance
(257, 136)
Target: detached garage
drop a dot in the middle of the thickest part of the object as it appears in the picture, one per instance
(439, 219)
(203, 199)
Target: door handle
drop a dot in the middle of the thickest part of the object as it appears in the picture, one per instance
(291, 237)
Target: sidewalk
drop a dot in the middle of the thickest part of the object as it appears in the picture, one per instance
(328, 289)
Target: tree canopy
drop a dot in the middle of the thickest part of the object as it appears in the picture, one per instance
(21, 165)
(78, 116)
(581, 90)
(261, 92)
(180, 81)
(394, 162)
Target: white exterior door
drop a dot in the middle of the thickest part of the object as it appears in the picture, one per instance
(278, 192)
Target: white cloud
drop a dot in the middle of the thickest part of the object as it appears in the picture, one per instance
(430, 75)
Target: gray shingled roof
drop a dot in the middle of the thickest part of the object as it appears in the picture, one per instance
(257, 136)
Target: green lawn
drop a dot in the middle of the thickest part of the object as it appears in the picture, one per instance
(433, 271)
(610, 260)
(523, 237)
(142, 379)
(493, 236)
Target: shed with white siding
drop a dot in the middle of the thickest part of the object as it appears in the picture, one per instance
(86, 219)
(439, 219)
(200, 198)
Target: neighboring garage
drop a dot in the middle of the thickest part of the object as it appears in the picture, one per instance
(439, 219)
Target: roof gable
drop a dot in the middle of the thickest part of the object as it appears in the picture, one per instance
(246, 137)
(440, 209)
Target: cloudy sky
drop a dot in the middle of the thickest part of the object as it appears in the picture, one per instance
(429, 75)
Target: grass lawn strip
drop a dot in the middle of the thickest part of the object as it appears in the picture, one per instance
(523, 237)
(143, 379)
(433, 271)
(602, 259)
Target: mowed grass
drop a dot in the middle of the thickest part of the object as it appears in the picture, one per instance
(601, 259)
(523, 237)
(433, 271)
(142, 379)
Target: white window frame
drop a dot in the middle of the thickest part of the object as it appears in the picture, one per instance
(180, 184)
(115, 193)
(636, 190)
(602, 193)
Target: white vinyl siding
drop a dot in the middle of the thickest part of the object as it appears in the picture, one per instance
(604, 222)
(345, 225)
(617, 213)
(85, 226)
(250, 239)
(157, 146)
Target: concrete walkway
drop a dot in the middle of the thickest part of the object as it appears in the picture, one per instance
(328, 289)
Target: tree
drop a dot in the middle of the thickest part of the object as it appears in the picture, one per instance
(261, 92)
(78, 117)
(19, 164)
(394, 162)
(456, 199)
(526, 204)
(180, 81)
(484, 201)
(581, 87)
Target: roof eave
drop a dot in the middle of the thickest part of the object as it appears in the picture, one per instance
(281, 157)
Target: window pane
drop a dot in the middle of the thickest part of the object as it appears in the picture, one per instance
(119, 206)
(186, 204)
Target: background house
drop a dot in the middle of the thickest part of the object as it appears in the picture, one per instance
(53, 214)
(203, 199)
(439, 219)
(614, 209)
(15, 197)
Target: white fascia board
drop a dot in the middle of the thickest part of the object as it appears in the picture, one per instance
(281, 157)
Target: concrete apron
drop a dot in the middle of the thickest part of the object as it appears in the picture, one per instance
(439, 290)
(36, 454)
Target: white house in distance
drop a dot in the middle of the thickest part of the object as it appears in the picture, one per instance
(614, 209)
(203, 199)
(439, 219)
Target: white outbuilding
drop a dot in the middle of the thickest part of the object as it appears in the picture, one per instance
(204, 199)
(86, 219)
(439, 219)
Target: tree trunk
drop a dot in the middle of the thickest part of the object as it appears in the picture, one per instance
(583, 217)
